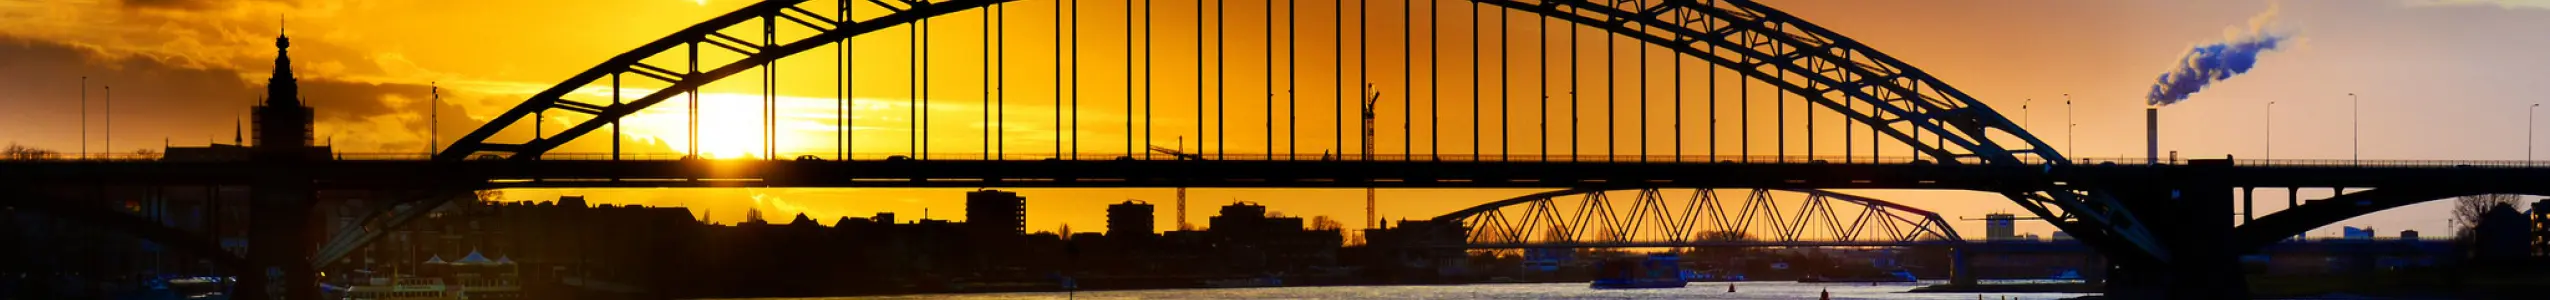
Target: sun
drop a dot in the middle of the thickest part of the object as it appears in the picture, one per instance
(730, 126)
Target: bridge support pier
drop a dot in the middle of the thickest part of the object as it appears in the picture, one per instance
(2094, 269)
(2191, 215)
(1960, 267)
(280, 240)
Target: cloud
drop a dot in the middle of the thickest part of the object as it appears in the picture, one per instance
(188, 105)
(366, 65)
(2511, 4)
(197, 34)
(188, 4)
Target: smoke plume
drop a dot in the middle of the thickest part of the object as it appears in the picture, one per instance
(2213, 62)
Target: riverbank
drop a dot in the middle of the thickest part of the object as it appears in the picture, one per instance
(1570, 290)
(2063, 287)
(2410, 284)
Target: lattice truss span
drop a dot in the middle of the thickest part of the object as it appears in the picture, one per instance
(1698, 217)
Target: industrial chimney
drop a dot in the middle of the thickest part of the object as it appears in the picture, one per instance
(2151, 134)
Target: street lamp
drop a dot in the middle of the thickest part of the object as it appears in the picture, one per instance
(2067, 119)
(107, 111)
(2067, 141)
(84, 117)
(2527, 133)
(2355, 128)
(2025, 118)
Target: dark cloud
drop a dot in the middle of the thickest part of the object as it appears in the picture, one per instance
(195, 4)
(154, 102)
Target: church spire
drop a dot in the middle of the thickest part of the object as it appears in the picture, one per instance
(283, 120)
(282, 89)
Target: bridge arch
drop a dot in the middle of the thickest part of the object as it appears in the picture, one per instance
(2281, 225)
(1825, 68)
(1596, 217)
(1891, 97)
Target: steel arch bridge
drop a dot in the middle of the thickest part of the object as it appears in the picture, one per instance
(1765, 45)
(1700, 217)
(1894, 105)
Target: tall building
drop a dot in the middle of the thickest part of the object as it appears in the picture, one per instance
(1247, 240)
(2540, 217)
(2000, 227)
(2352, 233)
(1133, 217)
(1242, 216)
(996, 213)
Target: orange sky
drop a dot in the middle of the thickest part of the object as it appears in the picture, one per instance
(2440, 79)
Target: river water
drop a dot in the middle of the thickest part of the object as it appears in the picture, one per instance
(1697, 290)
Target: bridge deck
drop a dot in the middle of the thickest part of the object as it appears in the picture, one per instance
(1170, 173)
(1015, 173)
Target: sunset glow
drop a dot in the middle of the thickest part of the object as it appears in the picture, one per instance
(186, 78)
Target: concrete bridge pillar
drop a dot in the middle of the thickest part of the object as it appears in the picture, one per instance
(2191, 214)
(2094, 269)
(280, 241)
(1960, 267)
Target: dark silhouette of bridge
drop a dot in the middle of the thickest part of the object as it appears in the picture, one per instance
(1656, 217)
(1902, 129)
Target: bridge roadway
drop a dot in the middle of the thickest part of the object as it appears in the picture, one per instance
(359, 174)
(2328, 246)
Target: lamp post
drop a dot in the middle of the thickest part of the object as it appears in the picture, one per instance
(84, 117)
(106, 110)
(2025, 117)
(2068, 140)
(2355, 128)
(2527, 133)
(2271, 131)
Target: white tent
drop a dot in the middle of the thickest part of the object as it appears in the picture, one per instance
(474, 259)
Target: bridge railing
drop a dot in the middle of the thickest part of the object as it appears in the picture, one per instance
(83, 157)
(1833, 159)
(1026, 156)
(2370, 163)
(2393, 163)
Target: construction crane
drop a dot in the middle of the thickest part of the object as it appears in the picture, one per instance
(1181, 155)
(1991, 217)
(1371, 97)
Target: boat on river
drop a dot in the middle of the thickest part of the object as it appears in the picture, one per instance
(1655, 271)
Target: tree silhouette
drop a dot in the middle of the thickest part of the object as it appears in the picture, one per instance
(1557, 233)
(1325, 223)
(22, 152)
(2468, 209)
(1724, 236)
